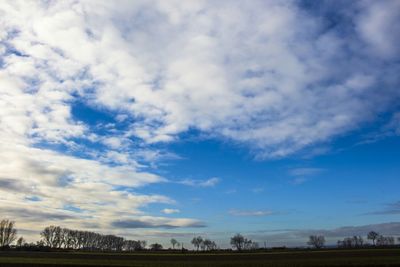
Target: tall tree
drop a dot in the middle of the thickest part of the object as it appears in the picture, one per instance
(20, 242)
(317, 241)
(373, 236)
(174, 242)
(51, 236)
(197, 241)
(209, 245)
(156, 246)
(385, 240)
(237, 241)
(8, 233)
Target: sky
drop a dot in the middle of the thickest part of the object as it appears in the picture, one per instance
(170, 119)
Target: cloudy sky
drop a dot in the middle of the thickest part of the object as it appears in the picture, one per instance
(159, 119)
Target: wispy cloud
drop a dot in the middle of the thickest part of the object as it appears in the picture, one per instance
(299, 180)
(250, 213)
(303, 175)
(157, 222)
(305, 171)
(389, 209)
(230, 191)
(257, 190)
(170, 211)
(200, 183)
(391, 128)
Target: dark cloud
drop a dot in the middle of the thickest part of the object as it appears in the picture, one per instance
(33, 215)
(13, 185)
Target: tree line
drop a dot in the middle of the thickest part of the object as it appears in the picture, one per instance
(56, 237)
(355, 241)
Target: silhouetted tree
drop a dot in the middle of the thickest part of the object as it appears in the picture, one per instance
(66, 238)
(57, 237)
(358, 241)
(51, 236)
(8, 233)
(351, 242)
(156, 246)
(254, 246)
(209, 245)
(20, 242)
(174, 242)
(197, 241)
(237, 242)
(373, 236)
(248, 244)
(385, 240)
(133, 245)
(316, 241)
(143, 244)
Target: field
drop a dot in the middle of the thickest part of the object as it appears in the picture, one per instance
(364, 257)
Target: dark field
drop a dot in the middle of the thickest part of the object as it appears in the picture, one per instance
(364, 257)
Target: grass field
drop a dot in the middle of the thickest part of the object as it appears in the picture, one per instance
(364, 257)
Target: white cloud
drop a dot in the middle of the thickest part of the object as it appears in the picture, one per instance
(113, 142)
(273, 79)
(299, 180)
(377, 27)
(201, 183)
(170, 211)
(305, 171)
(250, 213)
(157, 222)
(303, 175)
(257, 190)
(59, 181)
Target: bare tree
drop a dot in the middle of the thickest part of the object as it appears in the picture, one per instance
(8, 233)
(209, 245)
(143, 244)
(67, 238)
(197, 241)
(255, 246)
(385, 240)
(373, 236)
(156, 246)
(133, 245)
(248, 244)
(21, 242)
(351, 242)
(316, 241)
(57, 237)
(358, 241)
(238, 241)
(174, 242)
(51, 236)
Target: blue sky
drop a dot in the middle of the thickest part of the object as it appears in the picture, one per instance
(160, 119)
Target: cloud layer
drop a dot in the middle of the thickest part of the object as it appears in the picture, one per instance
(279, 79)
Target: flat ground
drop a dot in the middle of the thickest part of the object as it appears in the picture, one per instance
(364, 257)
